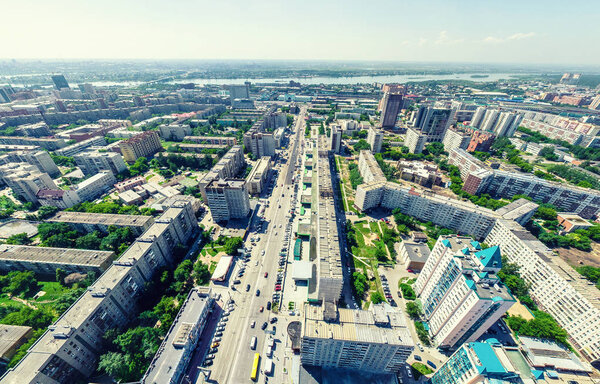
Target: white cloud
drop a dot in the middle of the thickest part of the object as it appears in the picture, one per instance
(516, 36)
(521, 35)
(422, 41)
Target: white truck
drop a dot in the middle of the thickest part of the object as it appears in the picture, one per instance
(268, 364)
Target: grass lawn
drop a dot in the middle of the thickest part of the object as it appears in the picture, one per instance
(212, 267)
(420, 369)
(5, 301)
(53, 290)
(375, 228)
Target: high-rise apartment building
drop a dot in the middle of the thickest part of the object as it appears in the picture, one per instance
(143, 145)
(415, 140)
(335, 139)
(90, 222)
(390, 104)
(60, 82)
(375, 139)
(239, 91)
(260, 143)
(369, 168)
(455, 139)
(555, 286)
(227, 168)
(595, 104)
(479, 363)
(460, 291)
(227, 199)
(377, 340)
(433, 122)
(95, 186)
(500, 123)
(93, 162)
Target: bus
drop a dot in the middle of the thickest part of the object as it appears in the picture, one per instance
(254, 373)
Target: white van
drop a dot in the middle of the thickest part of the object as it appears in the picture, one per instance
(253, 343)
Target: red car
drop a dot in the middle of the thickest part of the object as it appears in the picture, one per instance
(278, 287)
(266, 274)
(410, 270)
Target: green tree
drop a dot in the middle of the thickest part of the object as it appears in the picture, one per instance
(139, 167)
(19, 239)
(60, 275)
(183, 270)
(201, 273)
(116, 365)
(361, 145)
(89, 241)
(233, 244)
(377, 297)
(46, 211)
(20, 283)
(413, 310)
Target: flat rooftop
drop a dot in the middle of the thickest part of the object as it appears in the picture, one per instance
(102, 219)
(357, 325)
(172, 350)
(9, 335)
(24, 253)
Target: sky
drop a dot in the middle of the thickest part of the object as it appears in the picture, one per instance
(492, 31)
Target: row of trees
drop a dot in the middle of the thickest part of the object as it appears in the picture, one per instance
(111, 206)
(62, 235)
(355, 177)
(579, 152)
(574, 176)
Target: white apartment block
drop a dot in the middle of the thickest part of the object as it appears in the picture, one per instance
(257, 178)
(557, 288)
(415, 140)
(377, 340)
(463, 217)
(25, 180)
(93, 162)
(500, 123)
(375, 139)
(460, 292)
(369, 168)
(456, 140)
(41, 159)
(227, 199)
(95, 186)
(174, 132)
(81, 146)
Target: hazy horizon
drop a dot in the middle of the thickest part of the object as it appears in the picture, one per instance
(464, 31)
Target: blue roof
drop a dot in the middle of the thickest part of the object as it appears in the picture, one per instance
(489, 361)
(447, 243)
(465, 251)
(490, 257)
(537, 374)
(471, 284)
(475, 244)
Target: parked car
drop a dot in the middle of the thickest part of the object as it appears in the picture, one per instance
(264, 326)
(258, 292)
(261, 309)
(247, 287)
(253, 324)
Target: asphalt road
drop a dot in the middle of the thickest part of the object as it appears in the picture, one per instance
(233, 361)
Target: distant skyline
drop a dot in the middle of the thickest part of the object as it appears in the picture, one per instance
(484, 31)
